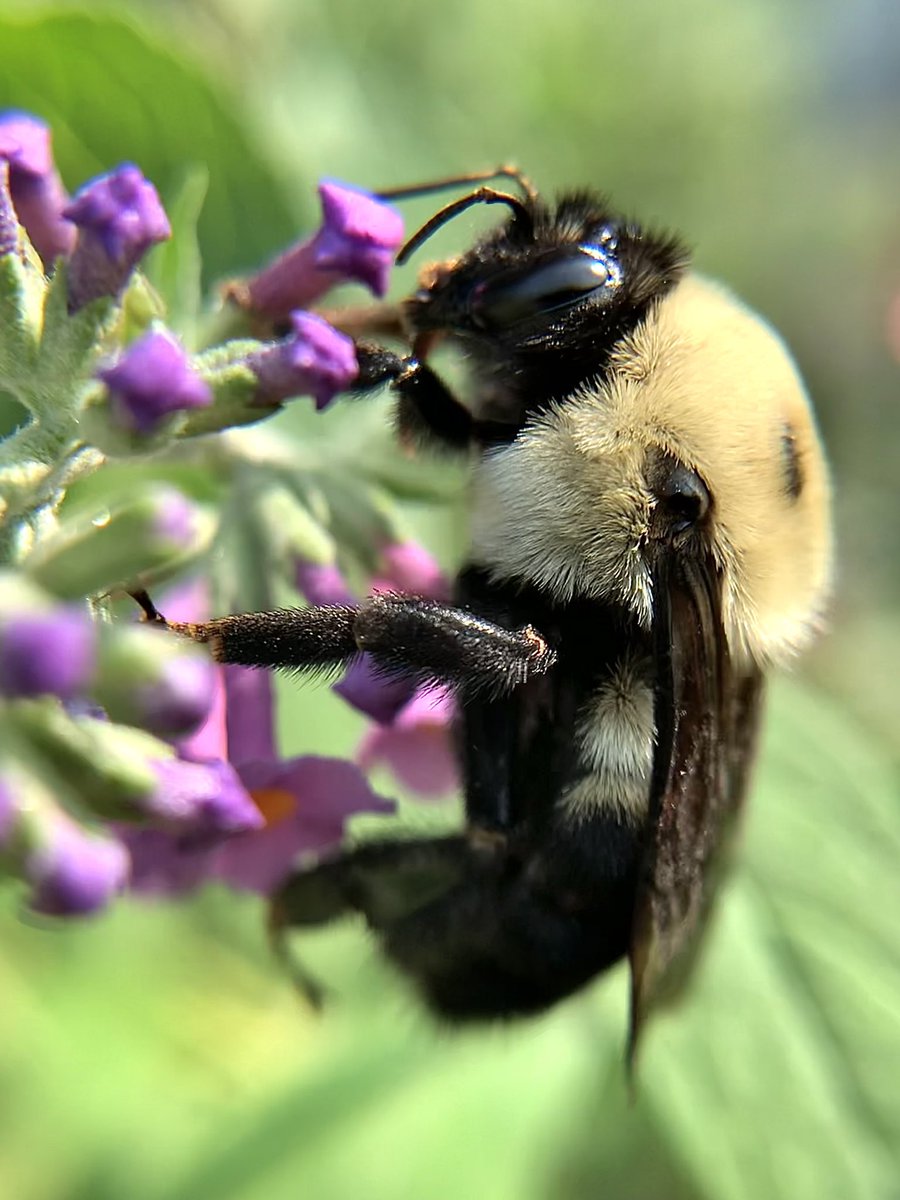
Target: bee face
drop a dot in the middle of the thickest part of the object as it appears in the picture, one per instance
(700, 436)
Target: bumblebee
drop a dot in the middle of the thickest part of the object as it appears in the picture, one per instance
(649, 535)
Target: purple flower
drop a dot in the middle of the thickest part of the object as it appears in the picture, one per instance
(119, 217)
(75, 872)
(358, 239)
(164, 863)
(306, 803)
(179, 700)
(175, 520)
(303, 802)
(321, 584)
(315, 360)
(359, 236)
(371, 691)
(201, 798)
(408, 567)
(47, 653)
(35, 187)
(417, 745)
(152, 379)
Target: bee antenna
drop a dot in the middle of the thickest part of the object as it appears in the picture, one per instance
(506, 171)
(482, 195)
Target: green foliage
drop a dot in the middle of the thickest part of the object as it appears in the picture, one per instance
(158, 1050)
(112, 92)
(775, 1078)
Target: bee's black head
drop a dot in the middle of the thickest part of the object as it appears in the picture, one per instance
(540, 303)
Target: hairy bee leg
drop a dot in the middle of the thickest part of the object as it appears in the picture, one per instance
(316, 638)
(449, 645)
(440, 643)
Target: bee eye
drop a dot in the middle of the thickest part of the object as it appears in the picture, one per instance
(557, 283)
(684, 497)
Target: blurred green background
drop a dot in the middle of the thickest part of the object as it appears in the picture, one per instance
(157, 1053)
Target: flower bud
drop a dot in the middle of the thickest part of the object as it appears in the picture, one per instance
(71, 870)
(408, 567)
(154, 534)
(358, 239)
(119, 773)
(76, 872)
(35, 187)
(321, 583)
(119, 217)
(315, 360)
(205, 797)
(151, 380)
(162, 684)
(47, 653)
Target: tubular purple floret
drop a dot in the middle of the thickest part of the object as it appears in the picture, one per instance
(315, 360)
(357, 241)
(119, 217)
(35, 188)
(153, 378)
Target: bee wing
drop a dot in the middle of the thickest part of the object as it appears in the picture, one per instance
(707, 714)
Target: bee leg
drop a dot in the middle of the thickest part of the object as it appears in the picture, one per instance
(436, 642)
(384, 882)
(449, 645)
(427, 411)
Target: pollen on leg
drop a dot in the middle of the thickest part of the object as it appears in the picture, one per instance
(541, 648)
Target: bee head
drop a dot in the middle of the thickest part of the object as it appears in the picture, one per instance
(696, 445)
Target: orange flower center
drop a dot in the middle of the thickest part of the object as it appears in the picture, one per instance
(275, 804)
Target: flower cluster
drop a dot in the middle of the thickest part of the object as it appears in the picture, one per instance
(127, 760)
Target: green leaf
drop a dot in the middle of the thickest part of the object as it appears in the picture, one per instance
(21, 301)
(112, 92)
(69, 348)
(317, 1108)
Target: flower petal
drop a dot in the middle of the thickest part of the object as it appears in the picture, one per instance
(326, 791)
(370, 691)
(417, 747)
(357, 240)
(35, 187)
(410, 568)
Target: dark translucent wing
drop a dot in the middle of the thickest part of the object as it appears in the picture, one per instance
(707, 715)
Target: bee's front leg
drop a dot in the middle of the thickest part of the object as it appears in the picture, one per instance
(436, 642)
